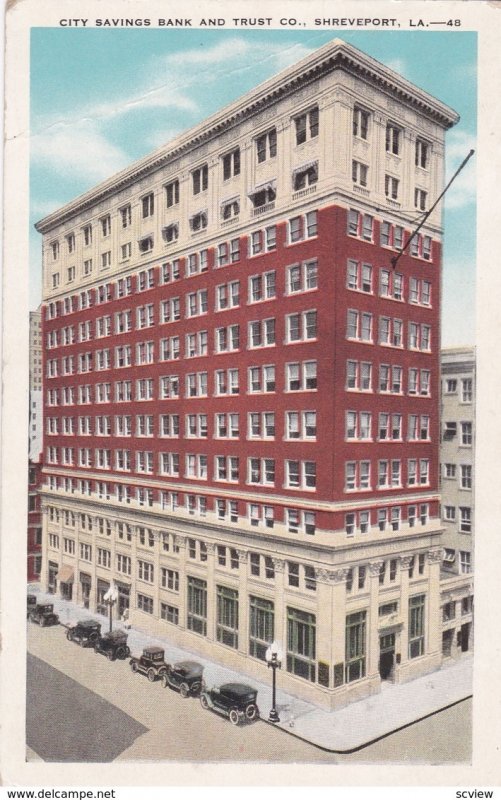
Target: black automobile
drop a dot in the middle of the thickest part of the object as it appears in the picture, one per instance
(31, 601)
(113, 644)
(186, 677)
(151, 663)
(237, 701)
(43, 613)
(85, 632)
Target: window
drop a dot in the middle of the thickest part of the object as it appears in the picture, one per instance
(420, 199)
(227, 616)
(230, 209)
(302, 277)
(359, 276)
(357, 475)
(231, 164)
(466, 434)
(301, 644)
(125, 216)
(261, 624)
(359, 173)
(465, 562)
(170, 271)
(360, 123)
(391, 185)
(422, 153)
(226, 469)
(466, 390)
(262, 287)
(301, 327)
(148, 205)
(300, 474)
(106, 225)
(355, 646)
(416, 626)
(197, 605)
(307, 126)
(300, 424)
(172, 193)
(261, 333)
(226, 426)
(87, 234)
(266, 146)
(145, 244)
(393, 139)
(359, 424)
(200, 179)
(170, 232)
(465, 519)
(227, 339)
(170, 579)
(358, 375)
(359, 326)
(261, 471)
(145, 603)
(305, 176)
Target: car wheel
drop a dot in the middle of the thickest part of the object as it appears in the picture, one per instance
(204, 702)
(93, 638)
(196, 688)
(133, 666)
(69, 636)
(164, 681)
(184, 690)
(122, 653)
(234, 716)
(110, 656)
(151, 674)
(251, 712)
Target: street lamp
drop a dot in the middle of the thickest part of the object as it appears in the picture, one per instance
(273, 657)
(111, 598)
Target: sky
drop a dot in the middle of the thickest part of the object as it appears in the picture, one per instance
(102, 98)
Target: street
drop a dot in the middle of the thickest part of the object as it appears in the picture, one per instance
(81, 707)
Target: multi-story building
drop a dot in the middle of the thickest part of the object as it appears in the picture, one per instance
(36, 349)
(34, 565)
(242, 389)
(457, 457)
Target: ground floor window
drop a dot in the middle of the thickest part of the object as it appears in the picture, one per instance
(101, 604)
(261, 626)
(123, 600)
(356, 639)
(169, 613)
(416, 626)
(227, 616)
(197, 606)
(53, 570)
(145, 603)
(85, 582)
(301, 649)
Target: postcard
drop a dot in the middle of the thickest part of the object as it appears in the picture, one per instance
(249, 295)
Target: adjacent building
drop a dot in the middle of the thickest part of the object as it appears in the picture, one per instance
(457, 456)
(241, 387)
(35, 447)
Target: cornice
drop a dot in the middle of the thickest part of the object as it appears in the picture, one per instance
(335, 55)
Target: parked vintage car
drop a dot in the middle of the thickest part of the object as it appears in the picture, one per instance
(85, 632)
(237, 701)
(31, 601)
(43, 613)
(185, 676)
(151, 663)
(113, 644)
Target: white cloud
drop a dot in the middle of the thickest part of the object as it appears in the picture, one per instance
(79, 149)
(41, 208)
(397, 65)
(463, 190)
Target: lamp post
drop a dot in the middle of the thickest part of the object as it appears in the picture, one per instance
(273, 657)
(111, 598)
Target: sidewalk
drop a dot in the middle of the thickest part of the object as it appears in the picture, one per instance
(343, 731)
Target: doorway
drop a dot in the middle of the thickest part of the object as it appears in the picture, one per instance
(386, 656)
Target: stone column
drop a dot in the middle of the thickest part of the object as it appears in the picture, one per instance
(403, 647)
(433, 632)
(373, 620)
(280, 611)
(243, 604)
(180, 542)
(211, 594)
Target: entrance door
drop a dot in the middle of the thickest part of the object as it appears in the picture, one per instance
(386, 655)
(123, 600)
(66, 591)
(465, 637)
(447, 638)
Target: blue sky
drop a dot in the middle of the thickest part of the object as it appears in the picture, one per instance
(102, 98)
